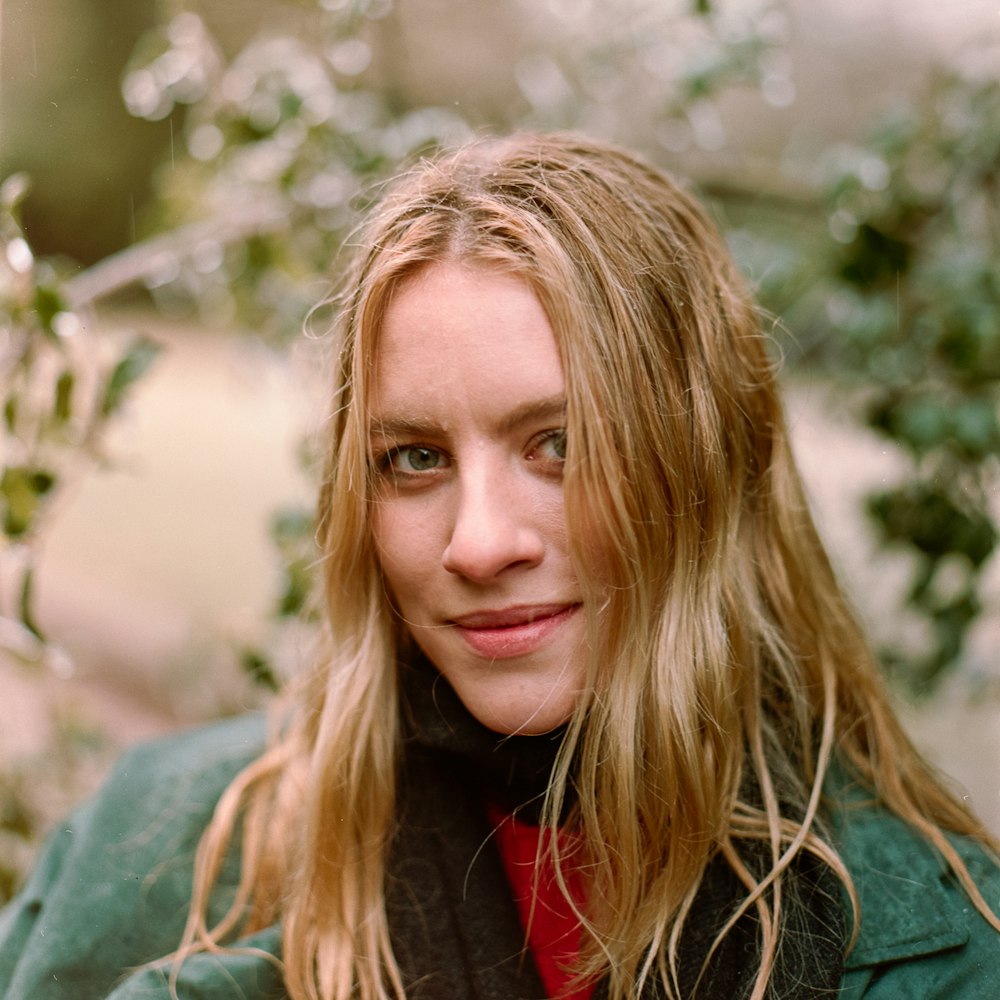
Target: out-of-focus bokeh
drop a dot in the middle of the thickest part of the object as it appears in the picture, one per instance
(193, 167)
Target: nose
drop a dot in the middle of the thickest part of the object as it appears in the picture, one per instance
(494, 530)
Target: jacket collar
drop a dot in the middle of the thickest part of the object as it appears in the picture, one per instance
(906, 906)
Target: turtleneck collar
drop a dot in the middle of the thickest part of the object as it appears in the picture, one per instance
(512, 772)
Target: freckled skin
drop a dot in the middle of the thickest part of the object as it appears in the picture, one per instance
(467, 431)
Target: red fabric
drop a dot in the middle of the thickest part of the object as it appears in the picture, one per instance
(553, 929)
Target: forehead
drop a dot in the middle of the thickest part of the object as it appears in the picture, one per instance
(455, 334)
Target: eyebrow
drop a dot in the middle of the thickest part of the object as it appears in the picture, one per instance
(547, 408)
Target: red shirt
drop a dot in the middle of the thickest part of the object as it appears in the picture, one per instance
(553, 928)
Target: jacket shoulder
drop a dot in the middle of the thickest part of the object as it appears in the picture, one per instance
(113, 883)
(920, 937)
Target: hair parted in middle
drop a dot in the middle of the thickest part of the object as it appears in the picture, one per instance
(724, 664)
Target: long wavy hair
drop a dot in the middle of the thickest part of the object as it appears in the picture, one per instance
(723, 656)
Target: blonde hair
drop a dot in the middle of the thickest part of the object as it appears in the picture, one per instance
(726, 671)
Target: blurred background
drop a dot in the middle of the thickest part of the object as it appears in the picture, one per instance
(176, 180)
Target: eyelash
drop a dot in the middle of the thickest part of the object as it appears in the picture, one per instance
(553, 435)
(384, 461)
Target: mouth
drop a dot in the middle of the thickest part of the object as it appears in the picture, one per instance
(514, 631)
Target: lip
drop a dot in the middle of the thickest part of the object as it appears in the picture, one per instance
(503, 633)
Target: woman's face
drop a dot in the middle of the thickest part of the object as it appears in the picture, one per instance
(467, 434)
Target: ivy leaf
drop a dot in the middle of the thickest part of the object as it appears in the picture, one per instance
(23, 489)
(15, 817)
(924, 516)
(130, 368)
(49, 302)
(258, 667)
(875, 257)
(26, 604)
(10, 409)
(293, 533)
(922, 422)
(975, 427)
(62, 406)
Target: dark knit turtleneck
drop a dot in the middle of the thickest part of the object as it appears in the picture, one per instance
(513, 772)
(454, 925)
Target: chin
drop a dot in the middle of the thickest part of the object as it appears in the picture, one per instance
(513, 717)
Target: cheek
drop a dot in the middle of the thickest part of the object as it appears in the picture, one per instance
(404, 547)
(547, 507)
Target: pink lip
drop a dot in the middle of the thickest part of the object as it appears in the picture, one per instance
(515, 631)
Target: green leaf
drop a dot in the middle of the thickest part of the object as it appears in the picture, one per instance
(23, 489)
(291, 526)
(925, 516)
(15, 816)
(876, 257)
(130, 368)
(62, 407)
(257, 665)
(920, 422)
(975, 427)
(927, 422)
(26, 605)
(10, 408)
(293, 531)
(298, 585)
(48, 304)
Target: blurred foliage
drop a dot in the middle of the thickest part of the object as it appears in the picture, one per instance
(292, 533)
(654, 71)
(283, 137)
(61, 385)
(912, 304)
(18, 824)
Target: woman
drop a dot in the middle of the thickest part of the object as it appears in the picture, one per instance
(593, 719)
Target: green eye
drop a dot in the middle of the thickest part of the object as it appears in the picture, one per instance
(416, 459)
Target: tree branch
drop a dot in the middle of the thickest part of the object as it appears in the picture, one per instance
(142, 260)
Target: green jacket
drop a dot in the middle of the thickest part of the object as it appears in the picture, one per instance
(112, 886)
